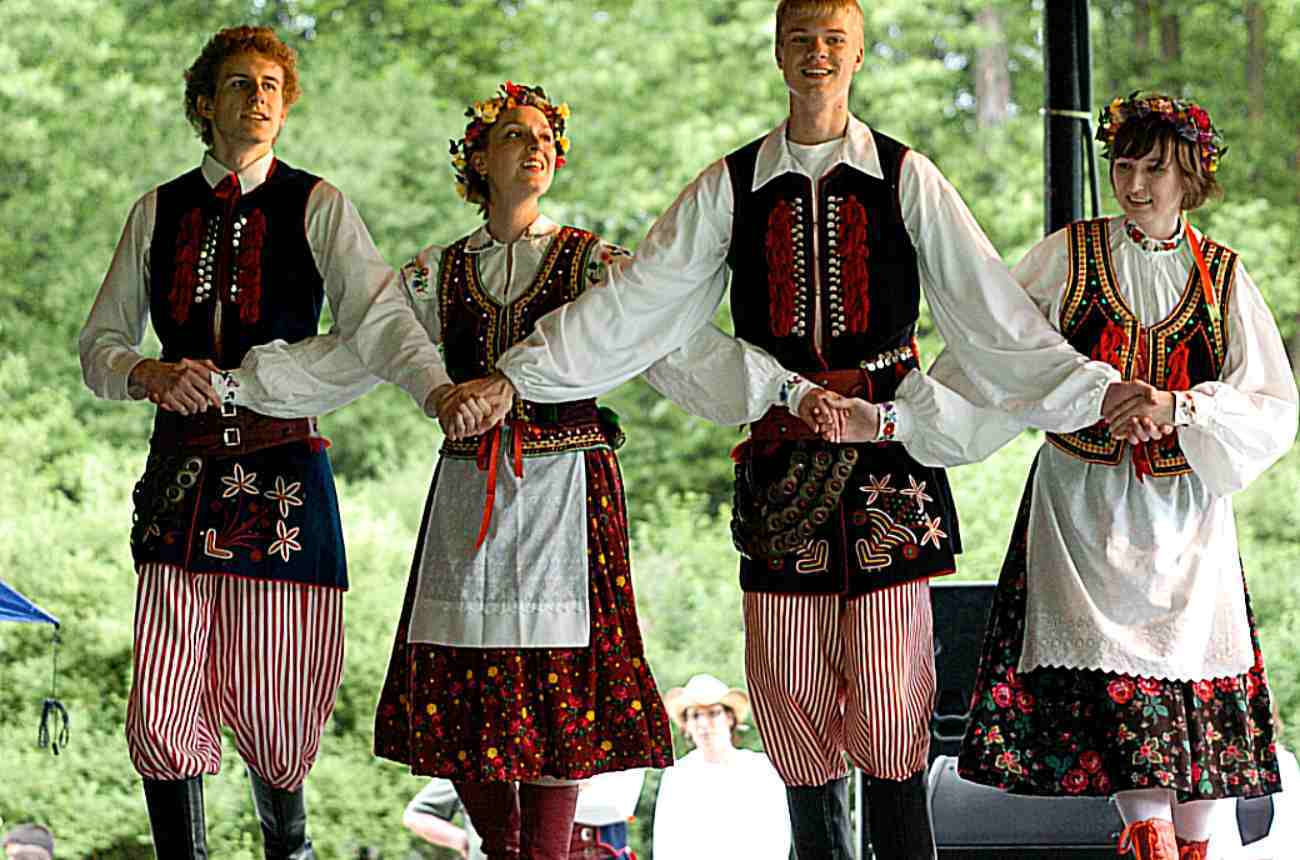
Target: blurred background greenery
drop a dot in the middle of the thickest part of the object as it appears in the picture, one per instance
(90, 93)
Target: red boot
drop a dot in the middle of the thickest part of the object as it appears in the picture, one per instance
(546, 813)
(1149, 839)
(493, 807)
(1188, 850)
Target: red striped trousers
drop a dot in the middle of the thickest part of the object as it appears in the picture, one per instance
(830, 675)
(262, 657)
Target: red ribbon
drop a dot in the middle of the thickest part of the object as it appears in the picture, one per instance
(489, 452)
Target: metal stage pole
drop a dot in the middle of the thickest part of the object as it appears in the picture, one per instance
(1067, 114)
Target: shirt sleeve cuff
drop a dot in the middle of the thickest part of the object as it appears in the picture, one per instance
(903, 420)
(793, 390)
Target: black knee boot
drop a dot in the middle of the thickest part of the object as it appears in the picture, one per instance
(176, 818)
(899, 816)
(283, 815)
(819, 820)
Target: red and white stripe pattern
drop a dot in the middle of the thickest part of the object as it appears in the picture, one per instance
(830, 675)
(263, 657)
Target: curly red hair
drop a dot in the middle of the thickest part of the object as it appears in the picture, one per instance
(201, 76)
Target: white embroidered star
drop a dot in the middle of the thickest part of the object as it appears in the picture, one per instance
(239, 480)
(877, 487)
(286, 542)
(285, 494)
(932, 532)
(917, 492)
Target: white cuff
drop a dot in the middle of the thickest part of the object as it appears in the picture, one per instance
(797, 392)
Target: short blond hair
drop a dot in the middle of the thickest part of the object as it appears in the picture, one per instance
(791, 10)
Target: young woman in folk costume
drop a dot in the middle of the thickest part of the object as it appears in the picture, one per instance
(518, 666)
(1121, 656)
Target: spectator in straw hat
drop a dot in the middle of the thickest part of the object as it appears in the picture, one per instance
(718, 800)
(29, 842)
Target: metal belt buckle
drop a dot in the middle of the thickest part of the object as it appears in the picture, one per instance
(229, 410)
(230, 437)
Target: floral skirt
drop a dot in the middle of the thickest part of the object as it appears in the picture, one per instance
(1062, 732)
(485, 714)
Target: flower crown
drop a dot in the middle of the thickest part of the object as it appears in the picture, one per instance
(1189, 120)
(482, 115)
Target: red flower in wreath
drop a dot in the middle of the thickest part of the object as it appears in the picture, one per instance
(1121, 691)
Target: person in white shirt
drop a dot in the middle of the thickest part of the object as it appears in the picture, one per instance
(236, 535)
(718, 800)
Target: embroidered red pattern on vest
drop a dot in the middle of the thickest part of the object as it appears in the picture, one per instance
(1179, 379)
(249, 273)
(1110, 346)
(780, 268)
(185, 269)
(854, 252)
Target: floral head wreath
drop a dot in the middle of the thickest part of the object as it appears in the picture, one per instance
(1189, 120)
(482, 115)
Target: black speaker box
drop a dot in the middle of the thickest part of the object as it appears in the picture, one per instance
(975, 821)
(961, 611)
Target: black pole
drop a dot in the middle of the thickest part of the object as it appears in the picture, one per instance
(1067, 85)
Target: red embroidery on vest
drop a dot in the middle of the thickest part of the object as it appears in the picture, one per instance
(1142, 460)
(249, 273)
(1110, 346)
(185, 265)
(854, 252)
(1178, 379)
(781, 291)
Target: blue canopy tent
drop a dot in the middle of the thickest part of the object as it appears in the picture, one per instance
(15, 607)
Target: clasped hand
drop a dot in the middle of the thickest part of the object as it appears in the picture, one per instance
(183, 386)
(473, 407)
(1138, 412)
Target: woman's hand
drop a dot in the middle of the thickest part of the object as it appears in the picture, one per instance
(472, 407)
(825, 413)
(183, 386)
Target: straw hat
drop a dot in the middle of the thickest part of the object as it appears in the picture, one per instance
(703, 690)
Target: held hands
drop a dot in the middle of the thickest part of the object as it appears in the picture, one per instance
(472, 407)
(183, 386)
(1138, 412)
(825, 413)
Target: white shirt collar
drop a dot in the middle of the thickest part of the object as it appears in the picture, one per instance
(857, 148)
(249, 178)
(482, 240)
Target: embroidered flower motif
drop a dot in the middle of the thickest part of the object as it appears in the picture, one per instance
(932, 531)
(1146, 243)
(285, 542)
(917, 493)
(876, 487)
(239, 481)
(285, 494)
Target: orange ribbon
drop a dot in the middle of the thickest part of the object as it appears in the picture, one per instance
(489, 451)
(1207, 286)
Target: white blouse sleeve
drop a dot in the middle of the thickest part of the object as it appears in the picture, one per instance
(939, 422)
(110, 340)
(1246, 420)
(649, 307)
(375, 334)
(1019, 362)
(672, 838)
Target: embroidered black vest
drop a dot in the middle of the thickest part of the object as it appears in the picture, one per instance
(477, 329)
(251, 257)
(1185, 348)
(848, 228)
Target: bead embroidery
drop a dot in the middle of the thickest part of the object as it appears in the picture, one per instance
(1146, 243)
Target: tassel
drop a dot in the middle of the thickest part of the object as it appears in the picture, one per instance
(1110, 346)
(1179, 379)
(779, 247)
(854, 251)
(249, 261)
(185, 265)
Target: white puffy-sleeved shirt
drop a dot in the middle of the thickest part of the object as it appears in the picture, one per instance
(679, 277)
(374, 335)
(1140, 577)
(706, 811)
(527, 585)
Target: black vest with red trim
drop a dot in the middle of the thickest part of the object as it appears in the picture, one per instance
(1187, 347)
(477, 329)
(251, 255)
(848, 228)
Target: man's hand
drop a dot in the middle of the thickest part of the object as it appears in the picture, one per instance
(1138, 412)
(825, 413)
(472, 407)
(183, 386)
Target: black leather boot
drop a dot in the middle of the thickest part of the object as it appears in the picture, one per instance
(898, 812)
(283, 816)
(176, 818)
(819, 820)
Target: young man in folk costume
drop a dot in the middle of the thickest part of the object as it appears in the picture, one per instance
(829, 229)
(236, 538)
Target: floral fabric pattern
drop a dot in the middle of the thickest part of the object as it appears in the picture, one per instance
(1067, 732)
(482, 714)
